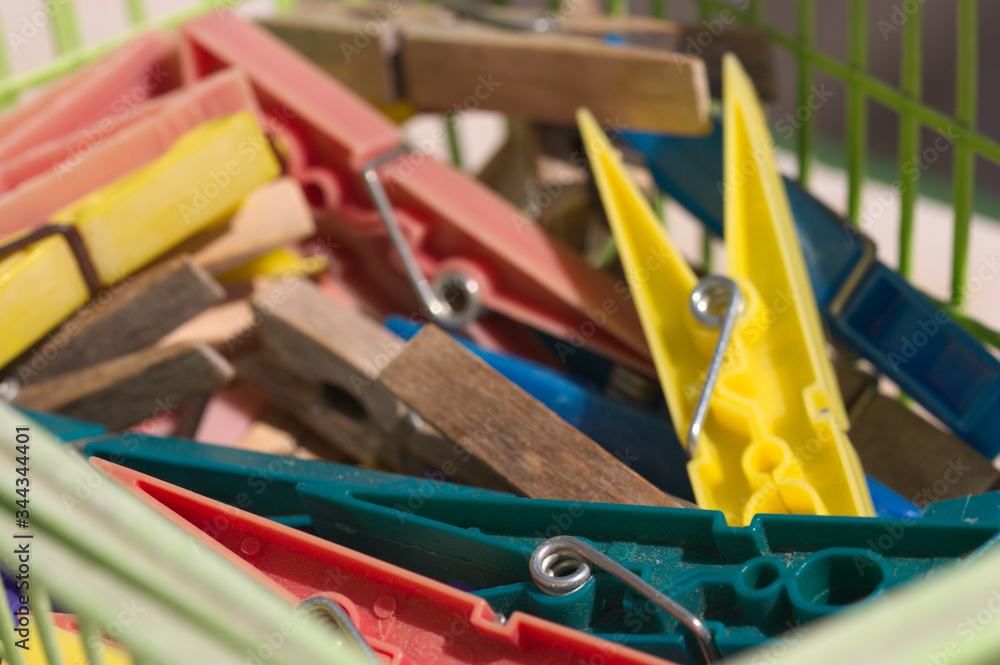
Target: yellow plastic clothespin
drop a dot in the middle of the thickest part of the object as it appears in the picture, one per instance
(770, 437)
(277, 263)
(118, 229)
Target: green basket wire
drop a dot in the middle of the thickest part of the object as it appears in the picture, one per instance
(904, 101)
(861, 86)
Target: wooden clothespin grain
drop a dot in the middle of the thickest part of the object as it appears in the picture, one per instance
(131, 388)
(495, 422)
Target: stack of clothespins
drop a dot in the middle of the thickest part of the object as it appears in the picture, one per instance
(313, 370)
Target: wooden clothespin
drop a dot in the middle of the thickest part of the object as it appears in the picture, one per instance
(493, 421)
(142, 309)
(488, 428)
(538, 77)
(131, 388)
(122, 319)
(115, 231)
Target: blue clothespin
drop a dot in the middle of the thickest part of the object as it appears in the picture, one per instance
(868, 307)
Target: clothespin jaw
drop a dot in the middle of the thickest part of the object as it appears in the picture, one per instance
(772, 438)
(404, 617)
(802, 443)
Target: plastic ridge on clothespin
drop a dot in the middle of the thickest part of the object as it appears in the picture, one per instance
(735, 578)
(403, 616)
(200, 181)
(256, 482)
(773, 435)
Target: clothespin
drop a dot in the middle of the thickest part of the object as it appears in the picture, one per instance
(99, 549)
(69, 167)
(765, 427)
(264, 484)
(434, 61)
(486, 427)
(483, 540)
(641, 439)
(869, 308)
(403, 617)
(432, 237)
(147, 306)
(143, 67)
(134, 315)
(131, 388)
(114, 231)
(748, 584)
(907, 453)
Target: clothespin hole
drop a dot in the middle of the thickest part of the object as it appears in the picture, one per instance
(344, 402)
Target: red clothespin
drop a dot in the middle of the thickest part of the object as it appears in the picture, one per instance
(432, 231)
(404, 617)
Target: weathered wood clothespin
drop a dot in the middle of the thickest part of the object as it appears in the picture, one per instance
(482, 427)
